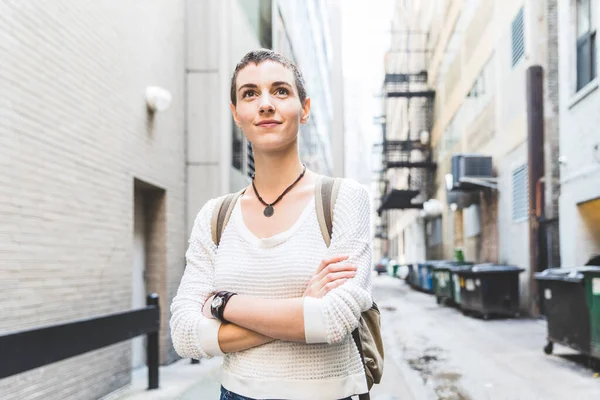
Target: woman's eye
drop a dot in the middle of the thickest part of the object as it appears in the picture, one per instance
(282, 91)
(248, 93)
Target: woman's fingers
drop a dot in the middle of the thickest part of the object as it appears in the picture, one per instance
(333, 268)
(327, 262)
(334, 276)
(332, 272)
(330, 286)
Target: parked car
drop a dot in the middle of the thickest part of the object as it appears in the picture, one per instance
(382, 266)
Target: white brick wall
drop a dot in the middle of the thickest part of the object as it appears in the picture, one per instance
(74, 133)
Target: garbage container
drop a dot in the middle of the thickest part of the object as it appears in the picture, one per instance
(490, 289)
(413, 275)
(425, 277)
(571, 300)
(457, 282)
(444, 286)
(395, 267)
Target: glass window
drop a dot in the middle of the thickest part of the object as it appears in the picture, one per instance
(518, 37)
(237, 146)
(586, 43)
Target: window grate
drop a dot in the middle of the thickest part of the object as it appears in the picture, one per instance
(520, 194)
(250, 159)
(518, 37)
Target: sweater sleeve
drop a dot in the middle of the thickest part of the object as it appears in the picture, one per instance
(337, 314)
(194, 335)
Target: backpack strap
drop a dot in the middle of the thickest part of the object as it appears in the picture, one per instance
(326, 191)
(326, 194)
(222, 213)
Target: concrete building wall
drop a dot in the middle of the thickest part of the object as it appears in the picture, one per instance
(219, 34)
(513, 238)
(76, 141)
(579, 145)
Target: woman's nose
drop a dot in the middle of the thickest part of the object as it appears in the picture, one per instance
(265, 105)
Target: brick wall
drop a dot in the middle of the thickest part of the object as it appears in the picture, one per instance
(74, 133)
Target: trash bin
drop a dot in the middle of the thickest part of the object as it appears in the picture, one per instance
(456, 283)
(395, 267)
(571, 300)
(413, 275)
(444, 286)
(425, 277)
(426, 274)
(490, 289)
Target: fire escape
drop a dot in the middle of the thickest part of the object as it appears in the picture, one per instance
(407, 173)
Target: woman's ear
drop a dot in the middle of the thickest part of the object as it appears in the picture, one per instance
(234, 114)
(305, 111)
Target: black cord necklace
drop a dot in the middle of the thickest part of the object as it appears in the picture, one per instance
(269, 210)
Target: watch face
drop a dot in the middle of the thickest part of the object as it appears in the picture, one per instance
(216, 303)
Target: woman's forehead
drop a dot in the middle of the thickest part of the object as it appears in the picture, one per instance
(264, 74)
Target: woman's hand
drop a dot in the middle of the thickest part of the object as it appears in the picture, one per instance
(329, 275)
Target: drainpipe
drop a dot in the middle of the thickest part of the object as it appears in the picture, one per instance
(535, 152)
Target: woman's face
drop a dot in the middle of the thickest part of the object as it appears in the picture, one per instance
(268, 108)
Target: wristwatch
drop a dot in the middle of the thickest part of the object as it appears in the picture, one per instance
(218, 304)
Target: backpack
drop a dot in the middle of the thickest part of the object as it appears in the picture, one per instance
(367, 336)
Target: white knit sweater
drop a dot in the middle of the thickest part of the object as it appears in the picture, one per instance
(328, 365)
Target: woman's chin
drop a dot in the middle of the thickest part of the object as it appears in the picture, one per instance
(271, 145)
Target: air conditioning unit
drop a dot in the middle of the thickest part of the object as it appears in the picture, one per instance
(470, 172)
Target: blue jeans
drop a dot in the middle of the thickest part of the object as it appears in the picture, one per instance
(227, 395)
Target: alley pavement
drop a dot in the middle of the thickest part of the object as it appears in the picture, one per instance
(432, 352)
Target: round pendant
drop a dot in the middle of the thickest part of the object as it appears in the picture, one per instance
(268, 211)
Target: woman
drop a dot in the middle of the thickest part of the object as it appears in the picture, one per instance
(273, 298)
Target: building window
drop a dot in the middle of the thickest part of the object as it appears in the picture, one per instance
(520, 194)
(586, 43)
(518, 37)
(258, 13)
(436, 234)
(250, 160)
(237, 146)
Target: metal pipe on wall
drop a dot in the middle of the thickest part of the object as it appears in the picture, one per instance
(535, 152)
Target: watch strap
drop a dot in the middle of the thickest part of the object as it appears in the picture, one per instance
(217, 312)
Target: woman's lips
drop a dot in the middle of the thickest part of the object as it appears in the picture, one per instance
(268, 124)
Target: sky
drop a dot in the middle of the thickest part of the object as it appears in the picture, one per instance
(365, 27)
(365, 39)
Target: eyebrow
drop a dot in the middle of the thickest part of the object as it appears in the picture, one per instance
(274, 84)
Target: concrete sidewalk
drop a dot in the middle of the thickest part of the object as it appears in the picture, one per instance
(184, 381)
(178, 381)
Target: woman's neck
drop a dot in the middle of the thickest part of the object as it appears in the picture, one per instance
(275, 172)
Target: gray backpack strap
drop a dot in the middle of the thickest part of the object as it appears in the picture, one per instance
(326, 191)
(222, 213)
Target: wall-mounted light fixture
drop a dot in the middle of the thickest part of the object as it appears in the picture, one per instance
(157, 98)
(433, 208)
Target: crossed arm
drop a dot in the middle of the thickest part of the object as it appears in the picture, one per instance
(328, 310)
(250, 326)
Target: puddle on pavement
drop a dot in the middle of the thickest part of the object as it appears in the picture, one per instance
(444, 383)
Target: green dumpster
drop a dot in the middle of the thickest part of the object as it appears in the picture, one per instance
(571, 302)
(444, 282)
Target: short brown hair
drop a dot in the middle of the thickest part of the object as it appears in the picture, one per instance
(257, 57)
